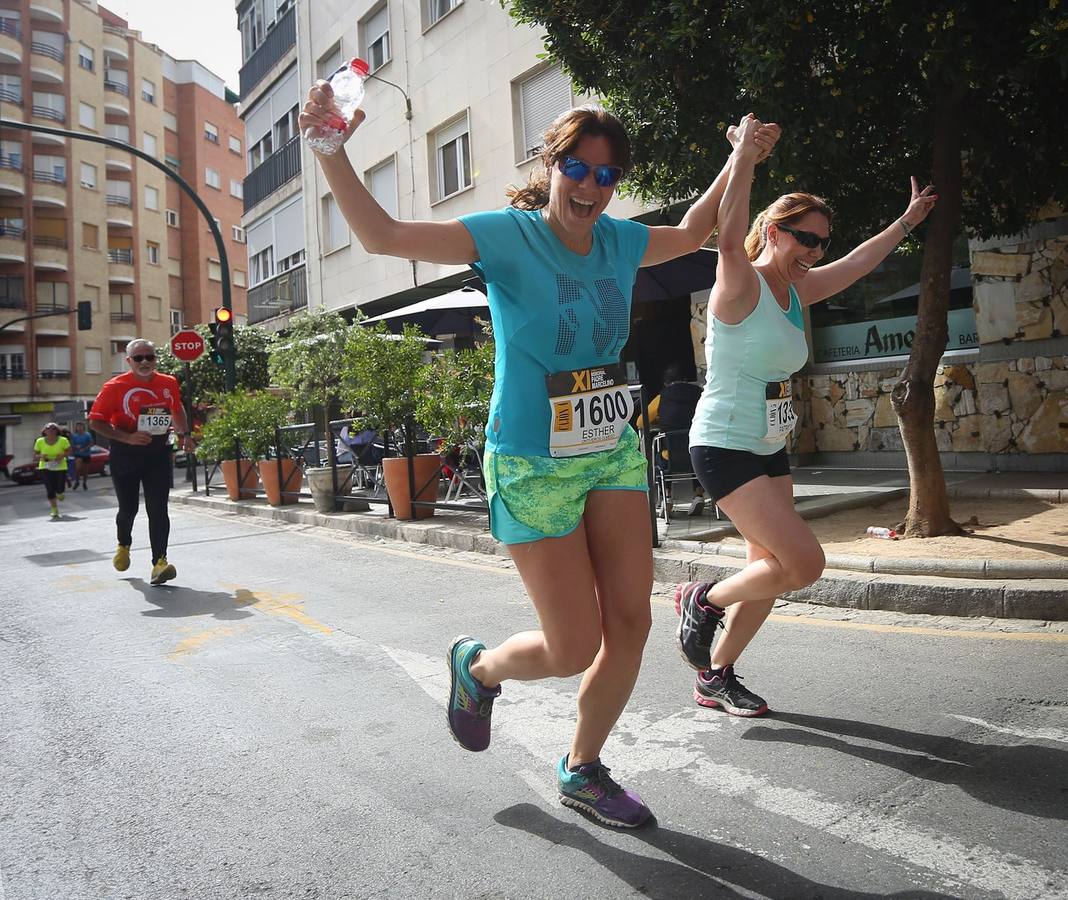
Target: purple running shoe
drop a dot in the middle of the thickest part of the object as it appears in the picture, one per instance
(591, 789)
(470, 704)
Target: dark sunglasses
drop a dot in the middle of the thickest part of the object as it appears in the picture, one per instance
(807, 238)
(144, 357)
(577, 170)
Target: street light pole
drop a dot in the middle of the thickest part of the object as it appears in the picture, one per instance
(229, 371)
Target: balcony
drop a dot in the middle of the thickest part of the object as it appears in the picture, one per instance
(46, 115)
(50, 253)
(47, 10)
(280, 295)
(120, 211)
(47, 62)
(123, 317)
(57, 325)
(278, 41)
(278, 168)
(50, 189)
(12, 181)
(10, 46)
(115, 43)
(12, 246)
(15, 373)
(120, 266)
(116, 97)
(118, 160)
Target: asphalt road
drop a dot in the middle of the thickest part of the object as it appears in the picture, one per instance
(272, 725)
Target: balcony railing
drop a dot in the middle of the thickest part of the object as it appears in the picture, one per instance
(12, 231)
(118, 200)
(47, 50)
(53, 374)
(9, 96)
(13, 374)
(49, 178)
(117, 87)
(115, 29)
(11, 28)
(124, 257)
(57, 308)
(46, 112)
(123, 317)
(12, 302)
(44, 240)
(275, 44)
(281, 294)
(278, 168)
(10, 162)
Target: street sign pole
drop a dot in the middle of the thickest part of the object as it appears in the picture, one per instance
(190, 456)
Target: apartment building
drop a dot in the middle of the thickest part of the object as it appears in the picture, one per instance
(271, 90)
(82, 221)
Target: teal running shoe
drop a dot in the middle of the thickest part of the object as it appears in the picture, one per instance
(470, 704)
(592, 790)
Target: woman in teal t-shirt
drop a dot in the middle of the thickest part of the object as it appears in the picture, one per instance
(754, 344)
(565, 477)
(50, 453)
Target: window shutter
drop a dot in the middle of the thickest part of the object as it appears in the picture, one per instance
(542, 97)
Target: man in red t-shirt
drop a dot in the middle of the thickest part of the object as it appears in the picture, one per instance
(136, 411)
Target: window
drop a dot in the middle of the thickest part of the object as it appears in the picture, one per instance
(12, 361)
(259, 151)
(433, 10)
(11, 155)
(174, 267)
(118, 357)
(52, 295)
(538, 100)
(91, 293)
(152, 252)
(90, 236)
(211, 178)
(211, 132)
(290, 262)
(117, 132)
(87, 116)
(149, 144)
(239, 278)
(86, 57)
(122, 307)
(235, 145)
(374, 38)
(148, 91)
(253, 26)
(53, 362)
(176, 321)
(262, 265)
(236, 189)
(286, 127)
(151, 197)
(214, 270)
(93, 360)
(50, 168)
(171, 217)
(170, 121)
(172, 162)
(12, 295)
(53, 105)
(381, 181)
(119, 190)
(335, 229)
(237, 233)
(452, 158)
(330, 63)
(11, 88)
(154, 308)
(88, 176)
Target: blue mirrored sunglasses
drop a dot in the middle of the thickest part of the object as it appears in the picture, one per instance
(577, 170)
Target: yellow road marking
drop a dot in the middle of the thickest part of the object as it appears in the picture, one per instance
(285, 605)
(81, 584)
(919, 629)
(199, 640)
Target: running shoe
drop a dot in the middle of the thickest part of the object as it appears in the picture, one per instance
(61, 496)
(591, 789)
(54, 514)
(697, 507)
(163, 571)
(698, 621)
(725, 689)
(470, 704)
(121, 559)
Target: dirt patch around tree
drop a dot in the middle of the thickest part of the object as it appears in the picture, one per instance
(1007, 529)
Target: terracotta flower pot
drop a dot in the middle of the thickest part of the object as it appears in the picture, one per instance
(290, 481)
(240, 486)
(395, 472)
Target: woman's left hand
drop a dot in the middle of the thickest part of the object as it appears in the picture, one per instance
(766, 137)
(920, 205)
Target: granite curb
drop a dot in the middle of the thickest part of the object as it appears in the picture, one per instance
(1005, 589)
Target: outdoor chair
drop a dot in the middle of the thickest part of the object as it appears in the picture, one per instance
(673, 467)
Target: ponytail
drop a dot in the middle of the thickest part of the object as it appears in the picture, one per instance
(784, 211)
(757, 237)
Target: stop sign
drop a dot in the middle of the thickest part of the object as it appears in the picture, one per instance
(187, 345)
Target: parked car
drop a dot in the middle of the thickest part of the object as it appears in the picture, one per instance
(98, 465)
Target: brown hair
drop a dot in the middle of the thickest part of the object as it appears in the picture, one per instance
(560, 139)
(784, 211)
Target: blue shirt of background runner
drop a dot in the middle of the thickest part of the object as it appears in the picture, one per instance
(552, 310)
(81, 444)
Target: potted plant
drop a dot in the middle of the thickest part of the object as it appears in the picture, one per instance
(237, 435)
(308, 363)
(383, 376)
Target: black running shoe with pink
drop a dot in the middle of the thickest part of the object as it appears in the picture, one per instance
(724, 689)
(698, 621)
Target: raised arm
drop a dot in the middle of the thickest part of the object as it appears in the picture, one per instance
(437, 242)
(668, 242)
(826, 281)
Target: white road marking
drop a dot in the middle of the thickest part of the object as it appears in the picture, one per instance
(1028, 734)
(542, 720)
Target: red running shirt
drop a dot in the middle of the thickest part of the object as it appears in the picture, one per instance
(126, 398)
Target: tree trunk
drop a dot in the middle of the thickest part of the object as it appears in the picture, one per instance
(913, 395)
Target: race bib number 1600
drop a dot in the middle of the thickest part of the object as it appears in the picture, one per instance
(589, 408)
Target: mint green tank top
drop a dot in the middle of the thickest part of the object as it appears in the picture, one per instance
(746, 402)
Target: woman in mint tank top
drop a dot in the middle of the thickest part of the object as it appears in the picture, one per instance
(754, 344)
(565, 478)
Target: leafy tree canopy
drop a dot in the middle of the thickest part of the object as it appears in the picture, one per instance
(252, 346)
(855, 85)
(309, 360)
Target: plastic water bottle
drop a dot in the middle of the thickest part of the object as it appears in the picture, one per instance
(887, 534)
(347, 85)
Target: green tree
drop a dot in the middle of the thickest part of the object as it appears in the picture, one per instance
(453, 395)
(252, 346)
(869, 92)
(309, 361)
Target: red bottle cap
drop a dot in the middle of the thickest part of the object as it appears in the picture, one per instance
(359, 67)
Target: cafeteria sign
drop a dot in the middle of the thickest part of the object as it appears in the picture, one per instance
(886, 337)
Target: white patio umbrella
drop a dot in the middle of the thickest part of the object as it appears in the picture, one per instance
(433, 314)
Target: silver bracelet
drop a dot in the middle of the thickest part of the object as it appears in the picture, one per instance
(904, 226)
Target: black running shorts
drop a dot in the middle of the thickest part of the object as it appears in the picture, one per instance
(723, 471)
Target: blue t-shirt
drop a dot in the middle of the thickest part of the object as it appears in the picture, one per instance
(81, 443)
(553, 310)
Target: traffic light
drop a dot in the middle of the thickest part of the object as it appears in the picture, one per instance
(85, 315)
(222, 335)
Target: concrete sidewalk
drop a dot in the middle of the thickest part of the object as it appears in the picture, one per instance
(1013, 589)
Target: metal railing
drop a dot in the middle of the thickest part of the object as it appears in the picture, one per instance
(44, 240)
(9, 302)
(12, 231)
(52, 308)
(281, 294)
(10, 27)
(119, 255)
(115, 29)
(53, 374)
(13, 374)
(123, 317)
(47, 50)
(117, 87)
(46, 112)
(118, 200)
(277, 169)
(10, 96)
(10, 162)
(49, 177)
(275, 44)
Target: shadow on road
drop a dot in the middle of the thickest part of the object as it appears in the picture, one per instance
(1026, 778)
(177, 602)
(700, 868)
